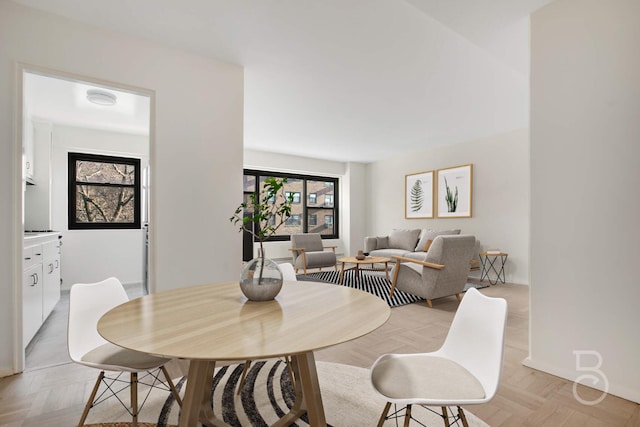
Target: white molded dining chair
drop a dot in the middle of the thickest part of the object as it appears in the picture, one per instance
(464, 371)
(87, 304)
(288, 272)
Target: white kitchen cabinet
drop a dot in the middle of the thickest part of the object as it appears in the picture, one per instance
(31, 302)
(40, 281)
(51, 279)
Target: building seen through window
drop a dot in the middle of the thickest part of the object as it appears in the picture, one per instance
(316, 215)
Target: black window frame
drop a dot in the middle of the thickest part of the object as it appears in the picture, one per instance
(73, 224)
(304, 215)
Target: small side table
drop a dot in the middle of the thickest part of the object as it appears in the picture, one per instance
(488, 261)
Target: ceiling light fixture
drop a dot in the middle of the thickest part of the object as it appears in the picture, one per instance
(101, 97)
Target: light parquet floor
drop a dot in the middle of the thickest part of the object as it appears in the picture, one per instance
(52, 390)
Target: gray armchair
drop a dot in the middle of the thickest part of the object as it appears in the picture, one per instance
(309, 252)
(443, 272)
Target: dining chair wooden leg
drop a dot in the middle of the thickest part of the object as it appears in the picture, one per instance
(89, 404)
(174, 392)
(407, 416)
(292, 377)
(462, 417)
(383, 416)
(459, 297)
(445, 416)
(134, 399)
(245, 370)
(429, 303)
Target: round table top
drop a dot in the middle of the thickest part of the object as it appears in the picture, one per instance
(367, 260)
(216, 322)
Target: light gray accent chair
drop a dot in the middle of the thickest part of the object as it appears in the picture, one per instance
(443, 272)
(309, 252)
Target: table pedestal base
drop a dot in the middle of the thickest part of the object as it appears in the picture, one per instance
(196, 406)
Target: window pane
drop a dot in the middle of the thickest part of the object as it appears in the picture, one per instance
(293, 220)
(295, 195)
(320, 218)
(249, 183)
(323, 190)
(104, 192)
(100, 204)
(313, 209)
(105, 173)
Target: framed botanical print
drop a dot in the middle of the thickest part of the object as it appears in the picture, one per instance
(455, 191)
(418, 195)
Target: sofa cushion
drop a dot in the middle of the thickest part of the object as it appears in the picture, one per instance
(404, 239)
(389, 253)
(426, 235)
(382, 242)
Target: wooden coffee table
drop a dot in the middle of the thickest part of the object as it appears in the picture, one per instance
(368, 260)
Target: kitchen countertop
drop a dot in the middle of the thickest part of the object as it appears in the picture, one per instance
(34, 236)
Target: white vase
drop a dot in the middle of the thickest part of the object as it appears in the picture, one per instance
(261, 281)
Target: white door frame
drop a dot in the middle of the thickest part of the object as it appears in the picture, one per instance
(18, 345)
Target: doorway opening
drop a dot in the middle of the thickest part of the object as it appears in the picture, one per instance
(64, 114)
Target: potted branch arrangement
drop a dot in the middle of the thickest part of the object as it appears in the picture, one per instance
(261, 216)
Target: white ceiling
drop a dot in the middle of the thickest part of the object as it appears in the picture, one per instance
(348, 80)
(65, 102)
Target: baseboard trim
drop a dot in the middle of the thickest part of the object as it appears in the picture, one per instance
(614, 389)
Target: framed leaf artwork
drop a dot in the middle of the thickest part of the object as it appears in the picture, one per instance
(454, 191)
(418, 195)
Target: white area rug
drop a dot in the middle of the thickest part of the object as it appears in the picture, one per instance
(348, 398)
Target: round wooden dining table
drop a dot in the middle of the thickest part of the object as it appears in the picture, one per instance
(215, 322)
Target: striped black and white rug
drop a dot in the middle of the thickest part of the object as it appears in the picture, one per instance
(374, 282)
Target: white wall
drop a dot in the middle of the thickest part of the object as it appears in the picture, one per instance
(93, 255)
(500, 199)
(196, 149)
(585, 133)
(37, 213)
(351, 192)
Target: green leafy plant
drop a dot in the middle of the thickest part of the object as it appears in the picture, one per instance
(452, 201)
(255, 215)
(417, 196)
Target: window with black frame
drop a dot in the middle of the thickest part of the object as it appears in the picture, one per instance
(314, 208)
(104, 192)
